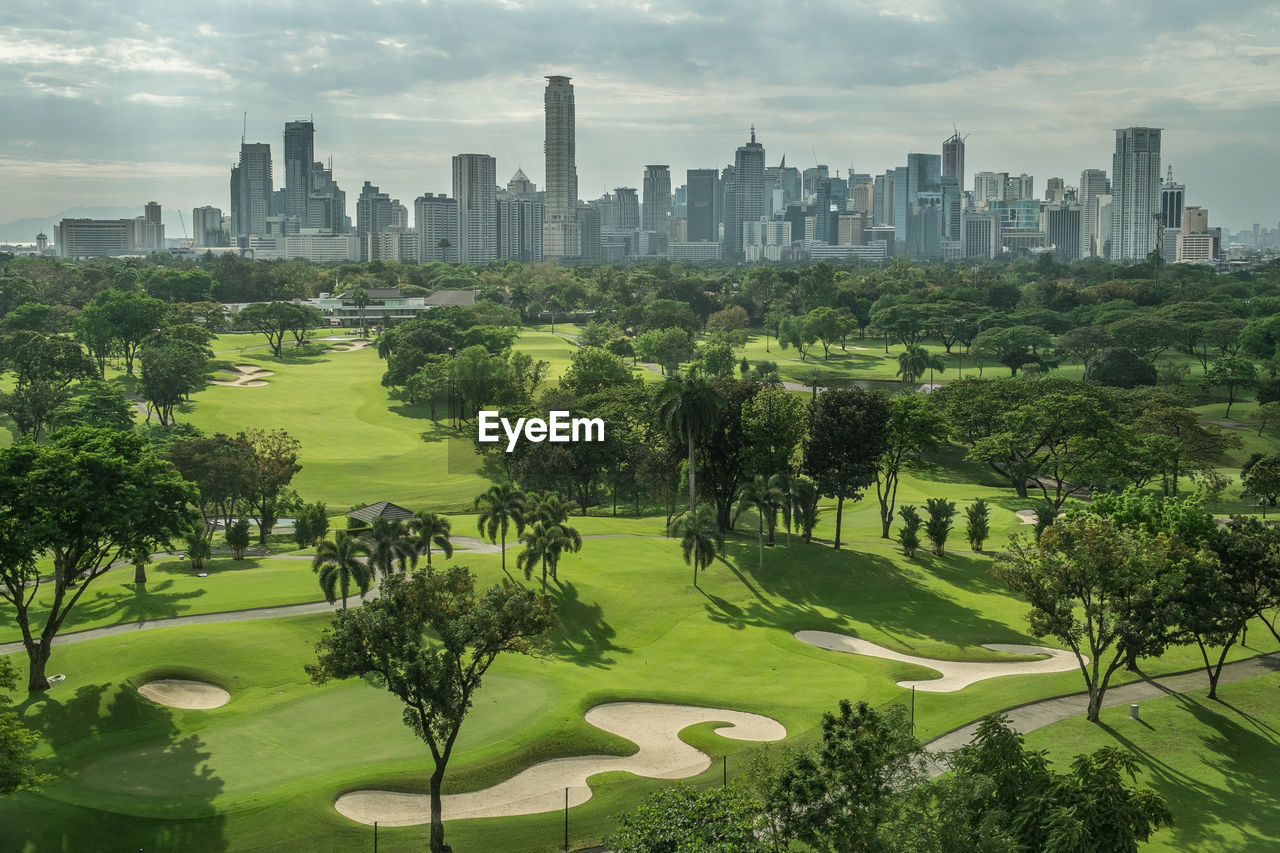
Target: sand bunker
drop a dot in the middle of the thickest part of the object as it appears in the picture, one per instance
(653, 727)
(956, 675)
(1028, 516)
(190, 695)
(347, 344)
(250, 377)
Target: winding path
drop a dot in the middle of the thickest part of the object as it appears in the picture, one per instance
(654, 728)
(956, 675)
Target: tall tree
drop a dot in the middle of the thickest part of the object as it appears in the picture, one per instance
(390, 544)
(171, 370)
(1086, 580)
(17, 770)
(87, 498)
(915, 428)
(848, 431)
(689, 409)
(44, 366)
(941, 512)
(915, 360)
(274, 457)
(429, 639)
(340, 562)
(132, 316)
(764, 496)
(1233, 373)
(501, 508)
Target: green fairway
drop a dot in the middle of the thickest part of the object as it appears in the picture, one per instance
(1214, 762)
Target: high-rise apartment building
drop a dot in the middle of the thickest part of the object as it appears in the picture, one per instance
(1135, 187)
(151, 235)
(520, 222)
(703, 206)
(375, 212)
(562, 237)
(989, 186)
(656, 214)
(299, 158)
(1020, 188)
(1055, 190)
(206, 227)
(1093, 183)
(251, 191)
(520, 184)
(436, 219)
(326, 203)
(475, 186)
(748, 193)
(626, 208)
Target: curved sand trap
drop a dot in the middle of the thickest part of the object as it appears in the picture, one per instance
(347, 344)
(250, 377)
(189, 695)
(956, 675)
(1028, 516)
(653, 727)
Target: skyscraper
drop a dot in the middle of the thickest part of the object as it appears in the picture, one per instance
(251, 191)
(703, 211)
(1093, 183)
(374, 213)
(561, 237)
(1171, 199)
(1135, 187)
(657, 199)
(626, 208)
(436, 218)
(475, 186)
(299, 157)
(953, 158)
(206, 227)
(989, 186)
(151, 237)
(748, 193)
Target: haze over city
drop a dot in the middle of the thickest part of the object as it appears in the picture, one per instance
(114, 107)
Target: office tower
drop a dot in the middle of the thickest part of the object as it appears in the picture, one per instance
(882, 197)
(95, 238)
(251, 191)
(952, 205)
(299, 157)
(626, 208)
(953, 159)
(918, 206)
(1102, 211)
(819, 174)
(1195, 242)
(748, 193)
(703, 225)
(1135, 188)
(327, 203)
(206, 227)
(520, 222)
(277, 203)
(1093, 183)
(1055, 190)
(1062, 222)
(1171, 199)
(980, 234)
(475, 187)
(436, 220)
(823, 223)
(657, 199)
(862, 197)
(680, 202)
(1020, 188)
(374, 213)
(561, 237)
(588, 224)
(42, 243)
(521, 185)
(989, 186)
(151, 237)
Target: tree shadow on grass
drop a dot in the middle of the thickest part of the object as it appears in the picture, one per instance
(584, 637)
(1246, 760)
(824, 589)
(124, 772)
(137, 603)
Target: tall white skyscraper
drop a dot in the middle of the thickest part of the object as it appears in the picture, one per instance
(748, 193)
(1093, 183)
(475, 186)
(1135, 187)
(561, 238)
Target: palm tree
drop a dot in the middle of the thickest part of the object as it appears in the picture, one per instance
(699, 542)
(544, 544)
(431, 528)
(915, 360)
(390, 545)
(690, 410)
(553, 512)
(501, 507)
(804, 505)
(360, 299)
(765, 497)
(338, 563)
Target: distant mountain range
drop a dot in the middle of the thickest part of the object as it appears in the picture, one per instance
(25, 230)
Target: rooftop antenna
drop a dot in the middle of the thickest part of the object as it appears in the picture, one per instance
(244, 130)
(753, 132)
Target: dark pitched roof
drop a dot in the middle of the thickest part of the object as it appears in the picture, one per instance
(452, 297)
(386, 509)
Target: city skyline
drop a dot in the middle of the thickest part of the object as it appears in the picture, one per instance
(116, 110)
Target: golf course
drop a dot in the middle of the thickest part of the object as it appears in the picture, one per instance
(753, 653)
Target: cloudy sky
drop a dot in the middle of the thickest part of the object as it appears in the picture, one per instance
(116, 104)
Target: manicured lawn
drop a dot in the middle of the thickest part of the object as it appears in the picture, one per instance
(264, 770)
(1213, 762)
